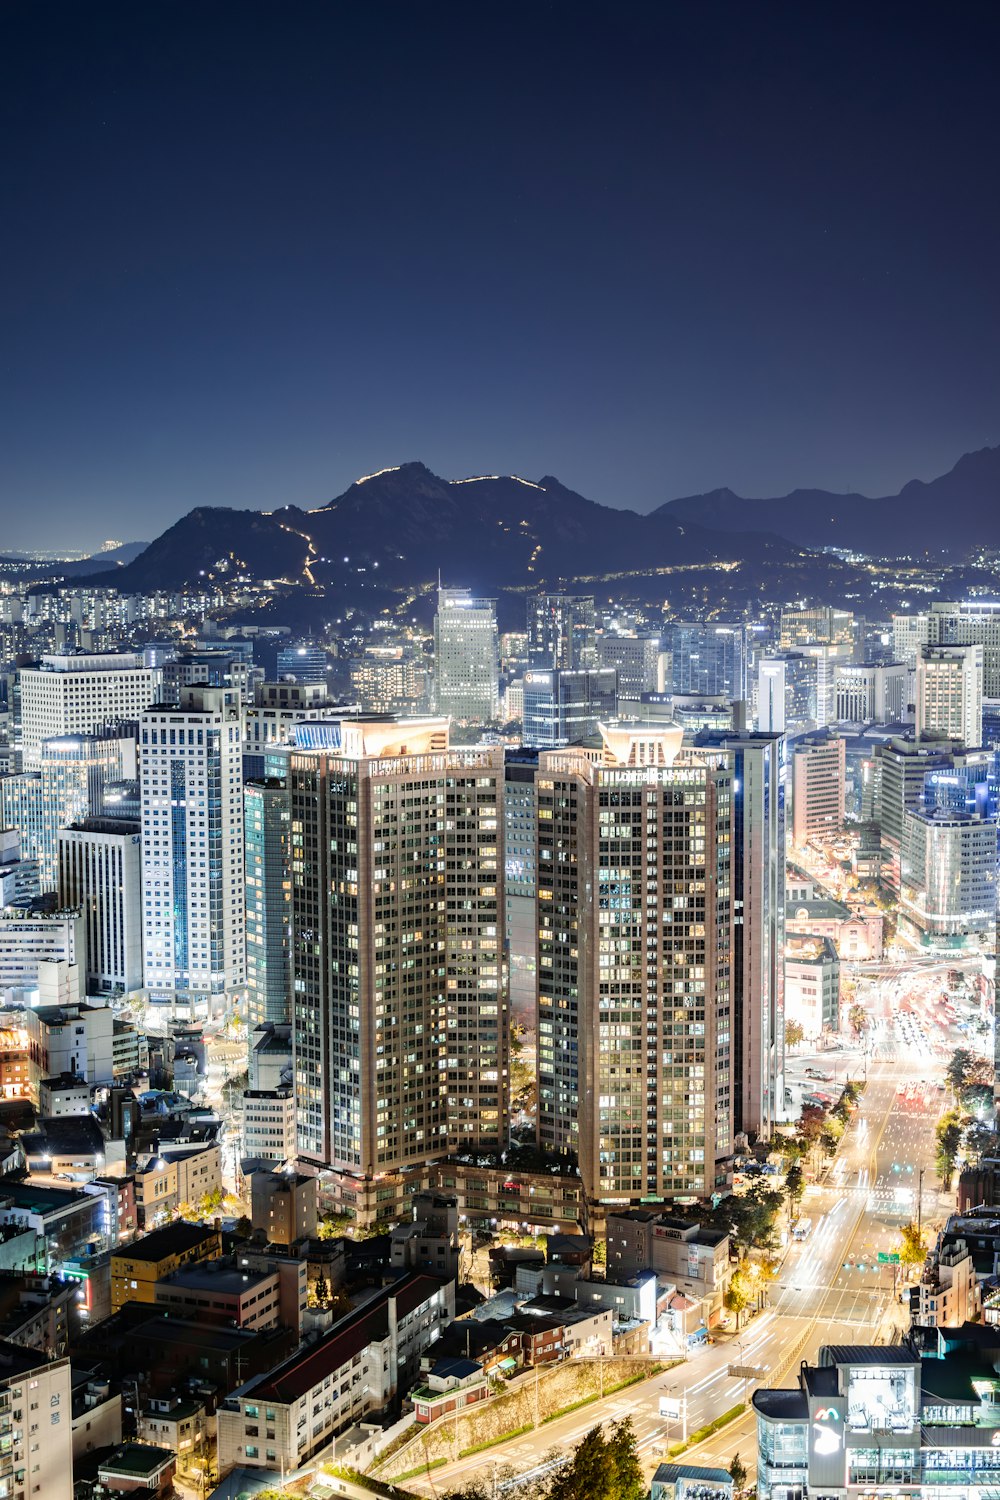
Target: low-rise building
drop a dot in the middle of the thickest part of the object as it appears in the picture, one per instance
(221, 1292)
(855, 933)
(283, 1418)
(137, 1268)
(269, 1117)
(176, 1175)
(283, 1206)
(692, 1257)
(178, 1423)
(948, 1292)
(139, 1466)
(97, 1411)
(812, 985)
(451, 1385)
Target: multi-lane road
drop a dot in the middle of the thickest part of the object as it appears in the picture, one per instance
(830, 1289)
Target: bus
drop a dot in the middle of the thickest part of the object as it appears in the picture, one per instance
(801, 1228)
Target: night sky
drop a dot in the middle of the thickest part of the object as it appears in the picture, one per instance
(251, 251)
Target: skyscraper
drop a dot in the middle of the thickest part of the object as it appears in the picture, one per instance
(269, 900)
(67, 786)
(192, 857)
(466, 657)
(562, 631)
(709, 659)
(100, 872)
(69, 695)
(635, 954)
(757, 764)
(637, 660)
(400, 1002)
(818, 785)
(562, 707)
(950, 693)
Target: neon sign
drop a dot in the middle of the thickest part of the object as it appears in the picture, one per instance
(827, 1439)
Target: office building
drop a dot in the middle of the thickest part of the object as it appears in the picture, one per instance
(466, 657)
(709, 659)
(269, 1125)
(136, 1268)
(909, 633)
(635, 961)
(812, 984)
(304, 661)
(828, 659)
(100, 873)
(818, 779)
(948, 877)
(211, 666)
(878, 1419)
(400, 1008)
(973, 622)
(950, 693)
(867, 694)
(29, 939)
(786, 693)
(562, 632)
(19, 883)
(268, 900)
(68, 786)
(757, 886)
(820, 626)
(192, 830)
(277, 707)
(71, 695)
(638, 661)
(564, 707)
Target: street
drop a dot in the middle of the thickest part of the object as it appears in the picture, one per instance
(830, 1289)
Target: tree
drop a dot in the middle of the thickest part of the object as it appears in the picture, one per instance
(737, 1295)
(859, 1019)
(738, 1474)
(958, 1068)
(912, 1245)
(602, 1468)
(794, 1185)
(949, 1141)
(794, 1035)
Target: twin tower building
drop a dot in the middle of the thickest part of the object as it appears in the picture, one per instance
(375, 905)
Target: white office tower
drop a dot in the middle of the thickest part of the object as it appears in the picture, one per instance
(786, 692)
(827, 658)
(34, 945)
(635, 963)
(100, 872)
(948, 877)
(466, 657)
(866, 693)
(973, 622)
(950, 693)
(909, 633)
(68, 785)
(192, 850)
(68, 694)
(400, 1012)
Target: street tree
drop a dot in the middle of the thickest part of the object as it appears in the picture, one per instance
(738, 1474)
(794, 1035)
(859, 1019)
(912, 1245)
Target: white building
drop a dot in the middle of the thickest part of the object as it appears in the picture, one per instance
(100, 872)
(948, 876)
(28, 939)
(269, 1124)
(75, 1039)
(68, 694)
(866, 693)
(466, 656)
(818, 786)
(192, 849)
(950, 692)
(279, 1420)
(36, 1459)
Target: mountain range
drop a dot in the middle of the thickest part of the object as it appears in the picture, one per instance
(951, 514)
(396, 529)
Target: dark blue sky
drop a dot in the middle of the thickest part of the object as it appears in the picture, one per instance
(251, 251)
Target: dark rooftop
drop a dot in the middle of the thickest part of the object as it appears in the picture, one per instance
(172, 1239)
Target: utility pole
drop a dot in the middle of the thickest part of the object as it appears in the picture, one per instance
(920, 1199)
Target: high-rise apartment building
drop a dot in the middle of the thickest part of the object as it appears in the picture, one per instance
(100, 872)
(950, 693)
(818, 785)
(36, 1455)
(466, 657)
(562, 631)
(192, 849)
(635, 958)
(520, 826)
(268, 900)
(867, 694)
(709, 659)
(757, 766)
(400, 1009)
(70, 695)
(562, 707)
